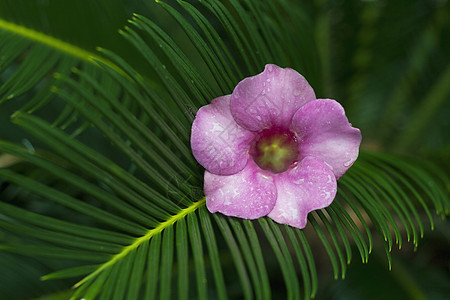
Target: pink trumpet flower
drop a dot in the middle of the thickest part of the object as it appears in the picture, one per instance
(272, 149)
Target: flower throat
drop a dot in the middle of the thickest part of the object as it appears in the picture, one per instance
(275, 150)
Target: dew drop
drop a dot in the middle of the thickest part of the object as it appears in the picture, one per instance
(348, 163)
(29, 146)
(297, 93)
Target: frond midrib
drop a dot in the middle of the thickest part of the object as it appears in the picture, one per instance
(54, 43)
(138, 241)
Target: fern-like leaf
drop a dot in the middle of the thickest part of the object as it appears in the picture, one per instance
(138, 225)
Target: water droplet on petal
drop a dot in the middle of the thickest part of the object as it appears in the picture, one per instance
(297, 93)
(348, 163)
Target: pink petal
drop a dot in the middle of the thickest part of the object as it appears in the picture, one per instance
(308, 186)
(218, 143)
(270, 99)
(324, 132)
(249, 194)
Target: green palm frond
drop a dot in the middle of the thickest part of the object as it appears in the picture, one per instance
(46, 53)
(138, 225)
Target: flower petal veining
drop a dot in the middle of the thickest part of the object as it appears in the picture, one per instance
(270, 99)
(218, 143)
(308, 186)
(249, 194)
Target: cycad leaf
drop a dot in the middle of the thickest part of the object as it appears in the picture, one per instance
(43, 54)
(146, 228)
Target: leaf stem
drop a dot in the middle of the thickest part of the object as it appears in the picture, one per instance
(55, 43)
(152, 232)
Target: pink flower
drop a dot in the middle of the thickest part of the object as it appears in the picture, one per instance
(272, 149)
